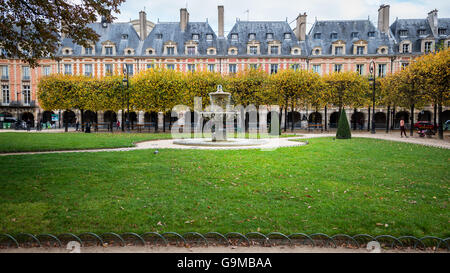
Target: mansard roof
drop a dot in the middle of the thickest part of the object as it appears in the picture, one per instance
(343, 30)
(114, 33)
(412, 27)
(261, 28)
(171, 31)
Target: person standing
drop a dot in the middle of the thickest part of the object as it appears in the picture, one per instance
(402, 128)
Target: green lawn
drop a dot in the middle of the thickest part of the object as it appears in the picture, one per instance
(331, 186)
(34, 142)
(25, 142)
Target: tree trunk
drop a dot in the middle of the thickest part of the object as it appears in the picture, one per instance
(393, 118)
(292, 116)
(326, 121)
(279, 118)
(441, 122)
(388, 118)
(82, 120)
(285, 118)
(156, 123)
(164, 122)
(435, 115)
(411, 129)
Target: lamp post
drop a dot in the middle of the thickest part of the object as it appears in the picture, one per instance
(125, 83)
(372, 78)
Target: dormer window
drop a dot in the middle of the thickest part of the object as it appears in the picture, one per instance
(170, 50)
(67, 51)
(232, 51)
(371, 34)
(252, 36)
(317, 35)
(296, 51)
(195, 37)
(442, 31)
(333, 36)
(269, 36)
(360, 50)
(211, 51)
(405, 48)
(234, 37)
(338, 50)
(287, 36)
(253, 50)
(150, 51)
(383, 50)
(159, 36)
(129, 51)
(108, 50)
(317, 51)
(403, 33)
(190, 50)
(209, 37)
(124, 36)
(354, 35)
(422, 32)
(274, 50)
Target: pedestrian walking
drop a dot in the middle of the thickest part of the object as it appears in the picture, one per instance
(402, 128)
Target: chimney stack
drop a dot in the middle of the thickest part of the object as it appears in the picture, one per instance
(433, 21)
(383, 19)
(142, 25)
(184, 19)
(221, 22)
(300, 29)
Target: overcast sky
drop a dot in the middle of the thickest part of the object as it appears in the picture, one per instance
(279, 10)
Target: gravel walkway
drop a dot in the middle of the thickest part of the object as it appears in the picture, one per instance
(270, 145)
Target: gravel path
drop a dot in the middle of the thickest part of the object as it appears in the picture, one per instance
(270, 145)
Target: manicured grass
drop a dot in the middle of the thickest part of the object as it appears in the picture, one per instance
(34, 142)
(331, 186)
(25, 142)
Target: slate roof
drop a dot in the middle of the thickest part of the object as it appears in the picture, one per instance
(172, 32)
(261, 29)
(343, 31)
(412, 26)
(113, 32)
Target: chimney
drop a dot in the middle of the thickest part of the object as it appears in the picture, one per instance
(221, 29)
(383, 19)
(184, 17)
(433, 21)
(300, 29)
(142, 25)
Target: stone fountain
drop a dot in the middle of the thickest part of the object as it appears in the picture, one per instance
(220, 110)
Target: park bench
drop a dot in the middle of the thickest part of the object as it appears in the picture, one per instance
(315, 126)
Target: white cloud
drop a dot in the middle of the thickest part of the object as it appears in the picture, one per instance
(279, 10)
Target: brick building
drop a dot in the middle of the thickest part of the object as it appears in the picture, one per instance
(347, 45)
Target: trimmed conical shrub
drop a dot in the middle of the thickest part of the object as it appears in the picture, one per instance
(343, 131)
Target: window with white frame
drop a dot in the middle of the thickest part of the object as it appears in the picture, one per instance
(360, 69)
(337, 67)
(287, 36)
(190, 50)
(195, 37)
(269, 36)
(338, 50)
(442, 31)
(88, 70)
(46, 70)
(403, 33)
(88, 50)
(130, 69)
(360, 50)
(108, 50)
(251, 36)
(211, 67)
(381, 70)
(68, 69)
(26, 91)
(191, 67)
(295, 67)
(25, 73)
(171, 67)
(406, 48)
(171, 50)
(209, 37)
(4, 72)
(317, 68)
(253, 50)
(273, 68)
(232, 68)
(234, 37)
(5, 93)
(274, 50)
(428, 46)
(108, 69)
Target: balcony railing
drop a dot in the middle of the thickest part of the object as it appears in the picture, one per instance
(16, 103)
(26, 78)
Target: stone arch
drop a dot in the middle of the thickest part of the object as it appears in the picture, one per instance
(424, 115)
(380, 120)
(109, 116)
(28, 117)
(315, 117)
(401, 115)
(334, 118)
(47, 116)
(445, 115)
(357, 120)
(69, 117)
